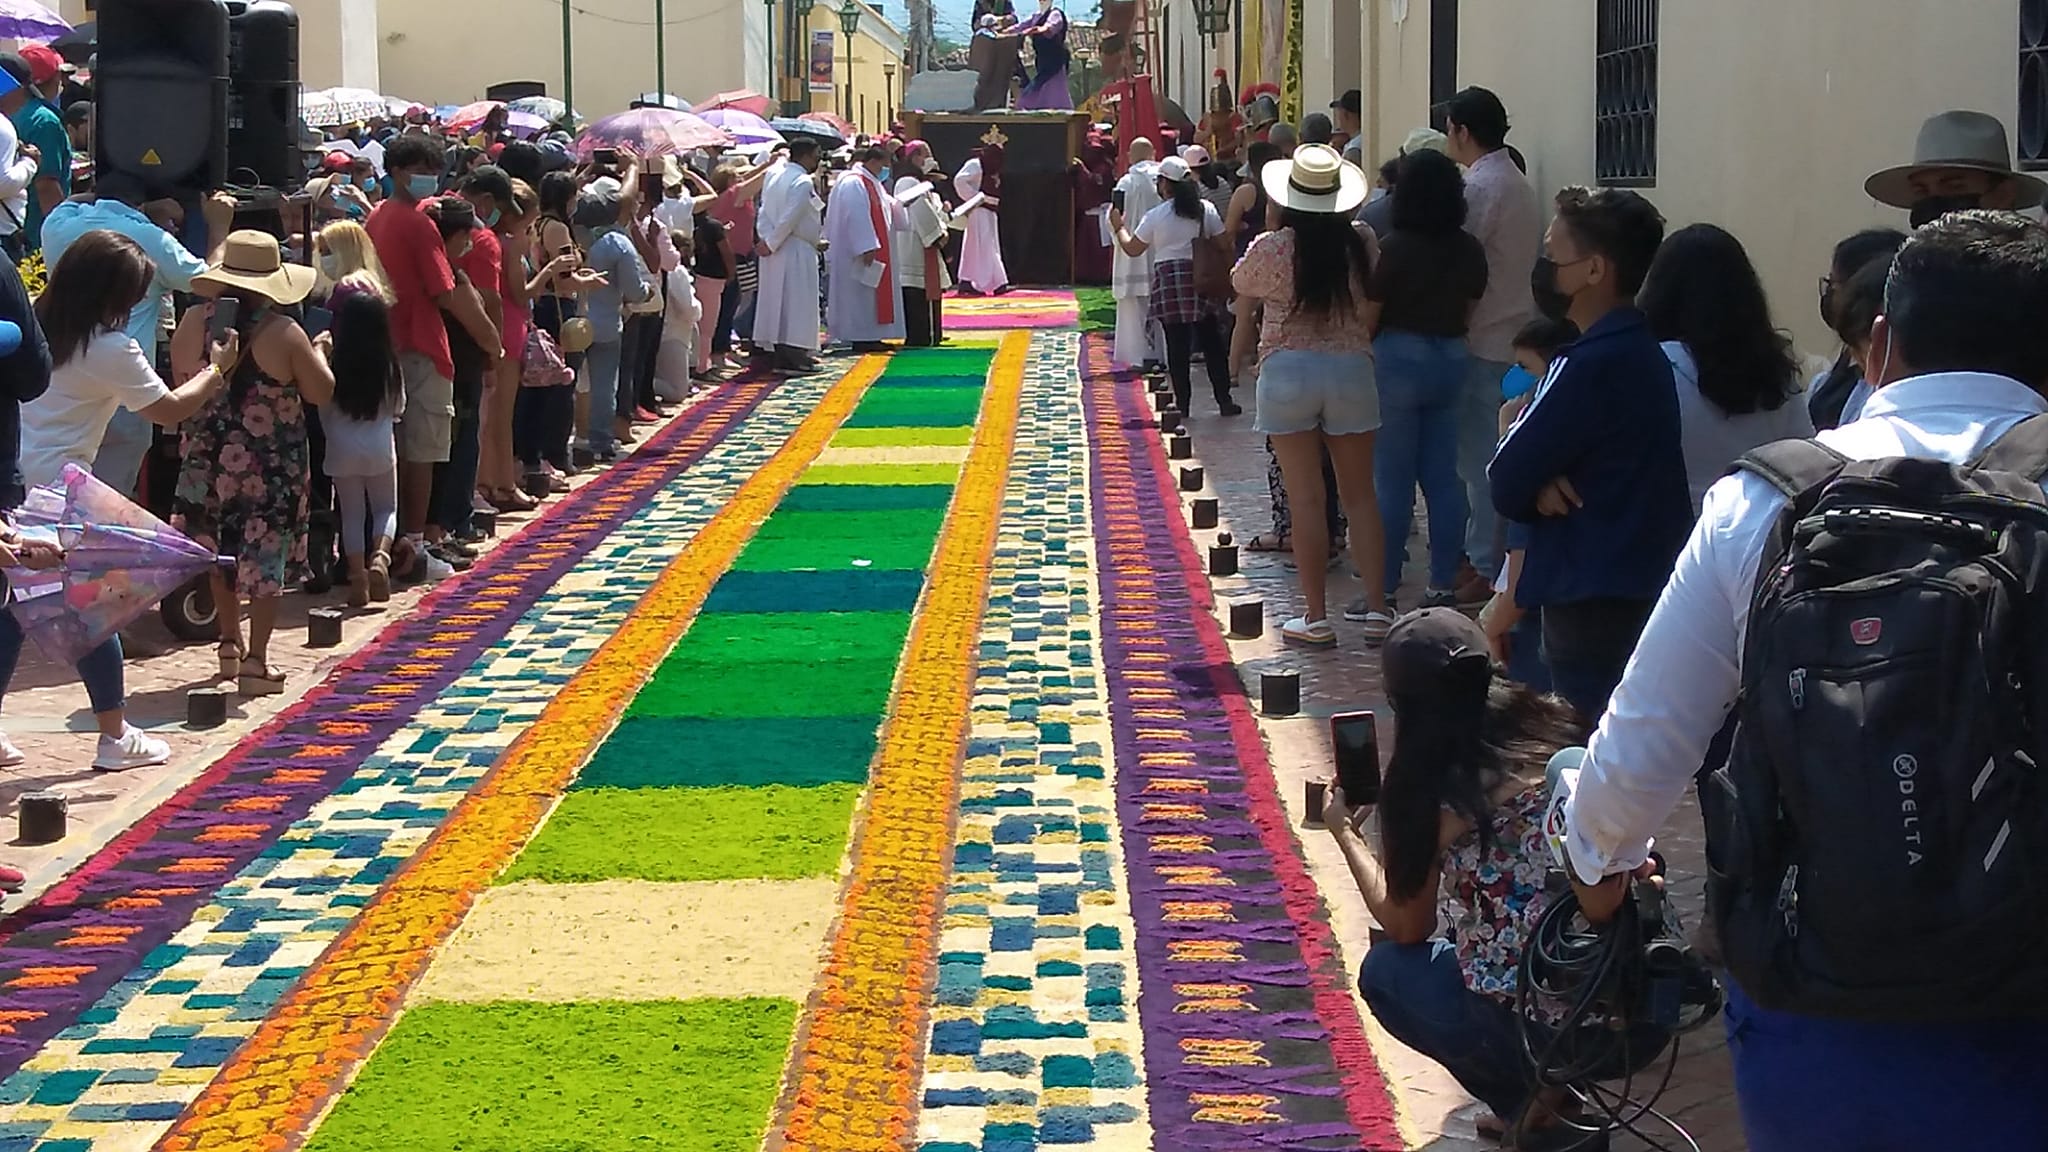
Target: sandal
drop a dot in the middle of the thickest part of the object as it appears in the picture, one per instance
(510, 500)
(1309, 633)
(231, 655)
(1264, 542)
(1377, 623)
(264, 681)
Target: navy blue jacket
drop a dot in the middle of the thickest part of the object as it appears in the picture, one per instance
(1606, 418)
(24, 376)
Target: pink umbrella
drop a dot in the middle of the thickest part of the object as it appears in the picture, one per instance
(741, 99)
(469, 116)
(648, 132)
(744, 127)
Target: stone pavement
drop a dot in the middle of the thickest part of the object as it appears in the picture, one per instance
(1437, 1114)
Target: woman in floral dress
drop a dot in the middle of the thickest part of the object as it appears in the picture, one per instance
(242, 489)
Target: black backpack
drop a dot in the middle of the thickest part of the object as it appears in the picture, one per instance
(1876, 840)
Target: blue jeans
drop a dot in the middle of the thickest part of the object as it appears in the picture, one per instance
(1478, 439)
(1525, 653)
(1421, 379)
(1814, 1085)
(454, 492)
(100, 669)
(1587, 645)
(604, 392)
(1418, 993)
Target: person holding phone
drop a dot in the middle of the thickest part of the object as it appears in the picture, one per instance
(1460, 844)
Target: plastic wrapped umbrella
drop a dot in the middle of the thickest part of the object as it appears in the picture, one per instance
(470, 116)
(28, 20)
(119, 562)
(827, 136)
(546, 107)
(745, 128)
(647, 132)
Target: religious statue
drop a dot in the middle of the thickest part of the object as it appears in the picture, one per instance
(1048, 32)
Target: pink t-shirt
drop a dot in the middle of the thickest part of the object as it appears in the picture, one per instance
(738, 217)
(1267, 272)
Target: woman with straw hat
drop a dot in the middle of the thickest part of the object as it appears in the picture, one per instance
(1316, 387)
(243, 483)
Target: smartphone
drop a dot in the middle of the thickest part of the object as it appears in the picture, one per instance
(226, 313)
(569, 250)
(652, 188)
(605, 157)
(317, 320)
(1355, 735)
(1116, 200)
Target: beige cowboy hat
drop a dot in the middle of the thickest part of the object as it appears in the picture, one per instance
(1319, 179)
(1961, 139)
(253, 261)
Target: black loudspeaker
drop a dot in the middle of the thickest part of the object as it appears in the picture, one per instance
(515, 90)
(263, 94)
(161, 113)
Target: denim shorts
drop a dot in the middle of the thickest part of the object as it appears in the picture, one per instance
(1333, 392)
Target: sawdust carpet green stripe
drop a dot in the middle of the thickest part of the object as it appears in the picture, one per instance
(745, 753)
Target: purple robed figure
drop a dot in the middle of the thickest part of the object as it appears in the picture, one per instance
(1048, 32)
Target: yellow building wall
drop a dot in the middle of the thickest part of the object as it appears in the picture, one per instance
(1770, 114)
(337, 40)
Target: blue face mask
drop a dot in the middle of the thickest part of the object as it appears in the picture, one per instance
(1518, 382)
(491, 221)
(421, 186)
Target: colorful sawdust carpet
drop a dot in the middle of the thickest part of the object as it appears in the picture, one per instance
(1021, 308)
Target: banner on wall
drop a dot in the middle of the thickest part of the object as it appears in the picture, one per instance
(821, 61)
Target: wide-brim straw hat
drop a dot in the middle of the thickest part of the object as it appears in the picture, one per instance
(252, 260)
(1961, 139)
(1319, 179)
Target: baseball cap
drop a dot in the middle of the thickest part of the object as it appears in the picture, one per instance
(1351, 102)
(16, 70)
(44, 65)
(1425, 649)
(1173, 168)
(1195, 156)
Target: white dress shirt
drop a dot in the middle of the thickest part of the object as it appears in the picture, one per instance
(1686, 670)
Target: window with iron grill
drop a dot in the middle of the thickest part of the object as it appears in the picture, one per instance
(1625, 104)
(2034, 84)
(1443, 60)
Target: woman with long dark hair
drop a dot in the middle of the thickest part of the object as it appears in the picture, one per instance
(97, 368)
(362, 457)
(1461, 846)
(1170, 232)
(1246, 218)
(1738, 382)
(552, 411)
(1836, 396)
(1430, 277)
(1316, 392)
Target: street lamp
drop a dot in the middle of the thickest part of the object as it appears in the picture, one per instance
(849, 23)
(787, 83)
(1212, 19)
(889, 99)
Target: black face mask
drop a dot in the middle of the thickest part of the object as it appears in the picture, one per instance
(1935, 207)
(1550, 299)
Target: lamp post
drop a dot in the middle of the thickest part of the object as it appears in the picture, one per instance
(849, 23)
(568, 59)
(800, 18)
(889, 89)
(1212, 19)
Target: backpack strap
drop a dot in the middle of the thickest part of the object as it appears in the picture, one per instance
(2022, 451)
(1793, 467)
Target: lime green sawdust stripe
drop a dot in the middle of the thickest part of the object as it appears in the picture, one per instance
(568, 1078)
(740, 639)
(672, 835)
(883, 474)
(903, 437)
(661, 752)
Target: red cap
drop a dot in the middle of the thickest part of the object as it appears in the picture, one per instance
(338, 162)
(44, 65)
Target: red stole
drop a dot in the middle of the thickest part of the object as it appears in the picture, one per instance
(885, 292)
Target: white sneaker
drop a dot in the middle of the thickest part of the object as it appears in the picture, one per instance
(134, 748)
(11, 756)
(437, 569)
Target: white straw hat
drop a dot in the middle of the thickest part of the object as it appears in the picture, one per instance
(1318, 180)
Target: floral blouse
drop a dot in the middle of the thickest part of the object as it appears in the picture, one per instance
(1267, 271)
(1492, 899)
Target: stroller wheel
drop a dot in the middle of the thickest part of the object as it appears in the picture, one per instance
(190, 613)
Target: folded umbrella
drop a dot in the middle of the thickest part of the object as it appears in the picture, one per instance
(119, 562)
(649, 132)
(78, 45)
(745, 128)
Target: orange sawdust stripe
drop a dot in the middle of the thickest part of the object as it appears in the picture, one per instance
(269, 1094)
(851, 1086)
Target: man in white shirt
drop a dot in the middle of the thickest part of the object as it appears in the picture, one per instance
(1138, 340)
(791, 227)
(1963, 358)
(1504, 212)
(865, 302)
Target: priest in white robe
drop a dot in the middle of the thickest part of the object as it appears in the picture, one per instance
(1138, 340)
(865, 305)
(979, 184)
(791, 226)
(920, 257)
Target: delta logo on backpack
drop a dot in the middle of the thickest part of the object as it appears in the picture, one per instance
(1875, 841)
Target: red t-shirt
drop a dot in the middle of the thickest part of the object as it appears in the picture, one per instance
(485, 262)
(738, 217)
(409, 246)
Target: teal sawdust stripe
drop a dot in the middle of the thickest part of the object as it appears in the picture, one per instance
(744, 754)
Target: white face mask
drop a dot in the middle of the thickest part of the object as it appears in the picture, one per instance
(330, 265)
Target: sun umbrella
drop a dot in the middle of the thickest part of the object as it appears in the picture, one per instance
(662, 100)
(470, 116)
(546, 107)
(119, 561)
(744, 127)
(525, 125)
(650, 132)
(792, 126)
(330, 106)
(28, 20)
(78, 45)
(838, 124)
(741, 99)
